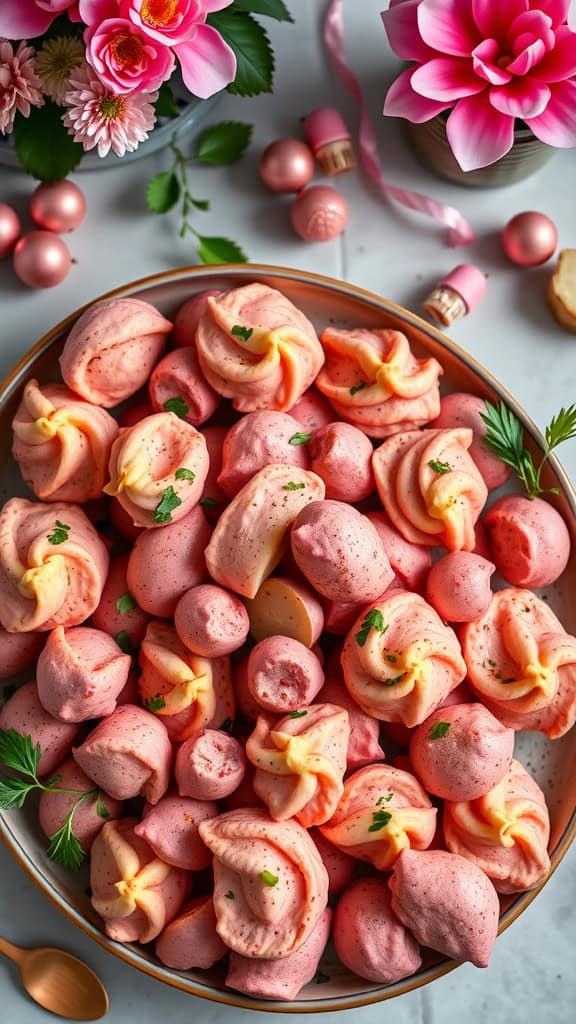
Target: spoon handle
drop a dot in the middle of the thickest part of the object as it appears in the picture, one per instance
(12, 952)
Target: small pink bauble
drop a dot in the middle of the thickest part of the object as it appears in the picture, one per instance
(286, 165)
(41, 259)
(9, 229)
(58, 206)
(319, 214)
(529, 239)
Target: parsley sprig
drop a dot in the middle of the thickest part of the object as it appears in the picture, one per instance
(505, 437)
(373, 620)
(60, 533)
(19, 753)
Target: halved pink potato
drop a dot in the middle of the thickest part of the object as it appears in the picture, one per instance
(285, 607)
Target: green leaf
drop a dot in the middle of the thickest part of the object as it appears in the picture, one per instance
(223, 143)
(212, 249)
(177, 405)
(297, 714)
(440, 467)
(124, 642)
(268, 878)
(185, 474)
(60, 533)
(199, 204)
(373, 620)
(251, 45)
(438, 730)
(229, 895)
(394, 680)
(384, 799)
(43, 145)
(300, 438)
(562, 427)
(291, 486)
(18, 752)
(357, 387)
(245, 333)
(101, 809)
(379, 821)
(166, 105)
(163, 192)
(267, 8)
(64, 846)
(13, 792)
(165, 507)
(125, 603)
(155, 703)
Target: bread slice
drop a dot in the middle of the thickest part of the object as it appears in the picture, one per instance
(562, 290)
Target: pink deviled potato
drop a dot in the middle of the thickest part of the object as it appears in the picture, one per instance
(460, 409)
(458, 586)
(369, 938)
(257, 440)
(529, 540)
(178, 385)
(80, 673)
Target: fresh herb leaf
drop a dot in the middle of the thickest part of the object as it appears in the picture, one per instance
(199, 204)
(155, 703)
(357, 387)
(391, 658)
(165, 105)
(13, 792)
(185, 474)
(229, 895)
(223, 143)
(176, 405)
(373, 620)
(291, 486)
(440, 467)
(44, 147)
(101, 809)
(297, 714)
(125, 603)
(242, 332)
(268, 878)
(299, 438)
(379, 821)
(394, 680)
(163, 192)
(64, 847)
(165, 507)
(18, 752)
(384, 799)
(124, 642)
(562, 427)
(209, 502)
(505, 437)
(254, 57)
(269, 8)
(60, 533)
(227, 725)
(438, 730)
(214, 250)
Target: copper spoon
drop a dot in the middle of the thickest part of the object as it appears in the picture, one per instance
(59, 981)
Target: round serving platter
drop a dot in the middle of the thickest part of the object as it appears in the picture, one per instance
(553, 764)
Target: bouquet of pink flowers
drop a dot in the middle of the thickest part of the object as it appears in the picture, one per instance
(77, 75)
(487, 62)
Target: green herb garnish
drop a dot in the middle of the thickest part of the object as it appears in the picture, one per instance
(229, 895)
(177, 405)
(297, 714)
(268, 878)
(101, 809)
(165, 507)
(60, 533)
(299, 438)
(125, 603)
(394, 680)
(124, 642)
(440, 467)
(373, 620)
(185, 474)
(384, 799)
(245, 333)
(155, 703)
(291, 486)
(391, 658)
(379, 821)
(357, 387)
(505, 437)
(438, 730)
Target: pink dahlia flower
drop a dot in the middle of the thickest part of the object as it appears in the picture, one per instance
(489, 61)
(125, 59)
(99, 118)
(208, 63)
(30, 18)
(19, 83)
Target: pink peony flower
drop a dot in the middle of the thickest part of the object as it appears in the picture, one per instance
(19, 83)
(125, 59)
(30, 18)
(99, 118)
(208, 63)
(489, 61)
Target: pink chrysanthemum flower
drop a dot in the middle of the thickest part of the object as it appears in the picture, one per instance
(19, 83)
(55, 61)
(99, 118)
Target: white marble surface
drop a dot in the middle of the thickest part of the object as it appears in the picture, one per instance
(397, 254)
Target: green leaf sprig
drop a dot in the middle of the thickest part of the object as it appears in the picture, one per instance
(505, 437)
(220, 144)
(373, 620)
(19, 753)
(165, 507)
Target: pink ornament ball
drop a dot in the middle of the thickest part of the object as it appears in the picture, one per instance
(9, 229)
(286, 165)
(41, 259)
(319, 214)
(529, 239)
(57, 206)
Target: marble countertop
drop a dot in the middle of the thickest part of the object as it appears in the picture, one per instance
(397, 254)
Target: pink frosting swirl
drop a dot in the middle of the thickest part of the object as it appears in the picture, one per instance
(50, 575)
(276, 876)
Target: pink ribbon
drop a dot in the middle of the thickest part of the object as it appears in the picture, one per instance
(460, 232)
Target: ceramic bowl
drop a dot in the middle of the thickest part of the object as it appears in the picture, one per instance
(552, 763)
